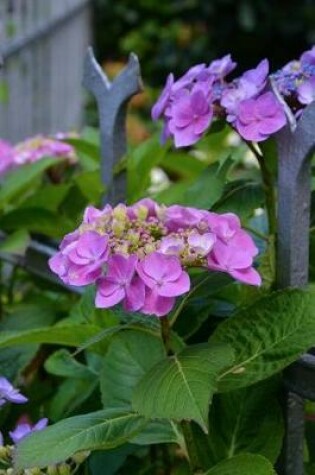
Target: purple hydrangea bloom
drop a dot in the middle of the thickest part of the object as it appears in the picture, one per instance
(306, 91)
(190, 117)
(308, 57)
(24, 428)
(259, 118)
(222, 67)
(163, 101)
(10, 394)
(250, 84)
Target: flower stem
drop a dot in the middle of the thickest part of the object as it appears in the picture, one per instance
(269, 190)
(166, 335)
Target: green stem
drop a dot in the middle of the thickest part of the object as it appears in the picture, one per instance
(269, 190)
(191, 448)
(166, 335)
(180, 307)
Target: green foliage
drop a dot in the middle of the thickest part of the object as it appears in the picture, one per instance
(267, 336)
(245, 464)
(100, 430)
(246, 420)
(181, 386)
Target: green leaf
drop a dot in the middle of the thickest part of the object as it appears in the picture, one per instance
(70, 394)
(89, 153)
(70, 335)
(139, 165)
(202, 193)
(99, 430)
(182, 164)
(267, 336)
(245, 464)
(16, 242)
(90, 185)
(62, 363)
(240, 197)
(48, 197)
(181, 386)
(231, 427)
(20, 179)
(124, 365)
(37, 220)
(159, 432)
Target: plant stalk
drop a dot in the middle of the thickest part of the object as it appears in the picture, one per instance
(269, 190)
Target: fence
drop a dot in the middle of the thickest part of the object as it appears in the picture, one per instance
(42, 43)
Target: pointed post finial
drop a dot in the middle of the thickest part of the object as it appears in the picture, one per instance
(112, 100)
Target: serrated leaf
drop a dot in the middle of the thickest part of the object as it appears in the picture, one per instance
(231, 422)
(99, 430)
(245, 464)
(180, 387)
(267, 336)
(124, 365)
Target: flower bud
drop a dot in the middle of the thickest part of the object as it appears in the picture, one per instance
(79, 457)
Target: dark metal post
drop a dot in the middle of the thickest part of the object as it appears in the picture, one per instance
(112, 100)
(294, 179)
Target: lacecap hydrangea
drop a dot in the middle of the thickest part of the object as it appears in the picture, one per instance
(139, 255)
(253, 104)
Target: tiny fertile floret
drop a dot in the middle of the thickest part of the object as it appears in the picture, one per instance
(140, 255)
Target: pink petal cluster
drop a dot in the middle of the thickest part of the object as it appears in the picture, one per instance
(139, 255)
(34, 149)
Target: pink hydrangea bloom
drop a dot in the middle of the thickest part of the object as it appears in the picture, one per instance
(121, 283)
(258, 118)
(6, 157)
(38, 147)
(234, 260)
(80, 262)
(139, 255)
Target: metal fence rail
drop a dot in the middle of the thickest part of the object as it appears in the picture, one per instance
(42, 44)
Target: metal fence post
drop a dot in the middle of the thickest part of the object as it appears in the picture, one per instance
(294, 194)
(112, 100)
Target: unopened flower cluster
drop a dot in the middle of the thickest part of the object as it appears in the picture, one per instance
(139, 255)
(251, 103)
(34, 149)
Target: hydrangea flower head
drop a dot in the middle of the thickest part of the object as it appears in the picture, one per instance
(10, 394)
(139, 255)
(258, 118)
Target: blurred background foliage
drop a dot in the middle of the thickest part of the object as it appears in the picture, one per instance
(175, 34)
